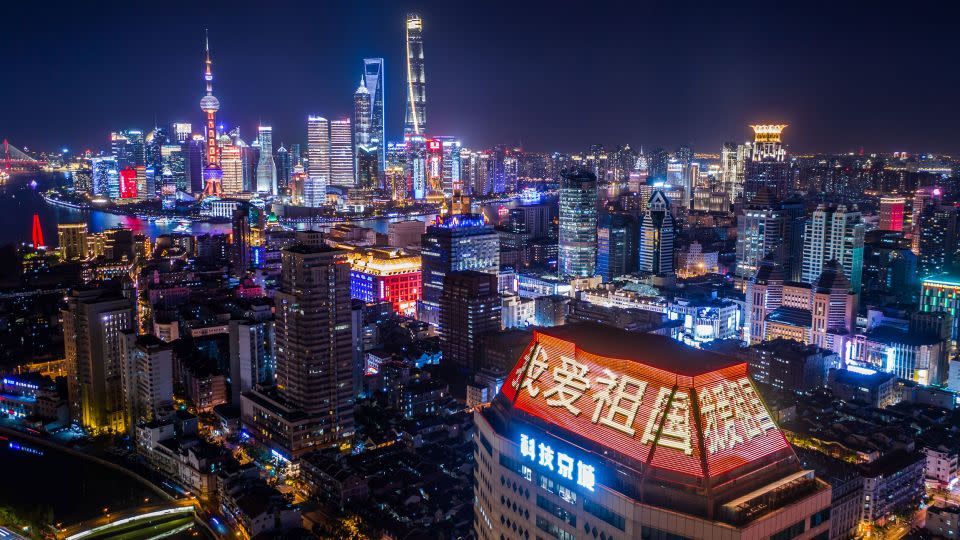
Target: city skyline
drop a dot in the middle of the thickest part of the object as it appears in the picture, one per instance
(729, 70)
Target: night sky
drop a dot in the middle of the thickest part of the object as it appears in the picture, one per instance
(547, 76)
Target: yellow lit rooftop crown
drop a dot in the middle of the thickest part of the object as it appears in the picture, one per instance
(768, 132)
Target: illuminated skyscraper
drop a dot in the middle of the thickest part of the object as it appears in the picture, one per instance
(834, 233)
(318, 161)
(92, 326)
(578, 223)
(231, 163)
(416, 116)
(194, 154)
(767, 143)
(361, 126)
(656, 236)
(284, 168)
(454, 243)
(373, 81)
(312, 407)
(452, 167)
(891, 213)
(105, 177)
(266, 168)
(72, 241)
(212, 174)
(341, 153)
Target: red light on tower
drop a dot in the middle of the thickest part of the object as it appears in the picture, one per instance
(37, 233)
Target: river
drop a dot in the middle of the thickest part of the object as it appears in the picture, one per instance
(20, 199)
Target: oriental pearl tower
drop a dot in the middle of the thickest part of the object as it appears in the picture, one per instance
(212, 173)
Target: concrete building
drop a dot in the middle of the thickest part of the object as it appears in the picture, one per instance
(93, 325)
(469, 308)
(566, 447)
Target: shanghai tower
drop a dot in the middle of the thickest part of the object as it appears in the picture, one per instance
(416, 117)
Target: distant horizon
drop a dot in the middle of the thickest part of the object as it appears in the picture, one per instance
(655, 74)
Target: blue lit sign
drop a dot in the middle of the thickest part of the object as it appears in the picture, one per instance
(458, 221)
(12, 382)
(559, 462)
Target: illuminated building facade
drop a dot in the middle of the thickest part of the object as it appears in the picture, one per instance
(452, 167)
(231, 163)
(656, 237)
(318, 161)
(936, 233)
(72, 241)
(416, 116)
(386, 275)
(941, 293)
(416, 166)
(891, 213)
(128, 183)
(341, 153)
(636, 436)
(266, 167)
(834, 233)
(578, 223)
(105, 177)
(767, 142)
(361, 128)
(456, 242)
(373, 79)
(93, 323)
(212, 174)
(312, 407)
(616, 246)
(434, 169)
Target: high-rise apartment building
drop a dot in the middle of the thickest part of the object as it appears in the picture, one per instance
(416, 115)
(93, 322)
(312, 406)
(147, 374)
(834, 233)
(469, 309)
(266, 168)
(578, 223)
(656, 237)
(72, 241)
(765, 225)
(318, 161)
(341, 153)
(457, 242)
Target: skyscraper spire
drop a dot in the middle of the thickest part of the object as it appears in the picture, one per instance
(212, 174)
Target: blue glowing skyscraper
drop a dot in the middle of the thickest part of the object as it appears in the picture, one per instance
(578, 223)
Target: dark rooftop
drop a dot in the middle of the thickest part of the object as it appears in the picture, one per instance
(792, 316)
(650, 349)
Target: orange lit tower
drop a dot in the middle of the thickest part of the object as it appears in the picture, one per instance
(212, 173)
(767, 143)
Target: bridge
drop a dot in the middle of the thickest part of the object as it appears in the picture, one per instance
(144, 522)
(14, 159)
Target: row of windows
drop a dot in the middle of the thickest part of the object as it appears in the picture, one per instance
(565, 493)
(605, 514)
(791, 532)
(652, 533)
(517, 467)
(553, 530)
(556, 510)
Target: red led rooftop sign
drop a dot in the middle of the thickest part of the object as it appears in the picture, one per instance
(681, 420)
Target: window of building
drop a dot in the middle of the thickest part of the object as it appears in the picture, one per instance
(556, 510)
(651, 533)
(605, 514)
(819, 517)
(790, 532)
(553, 530)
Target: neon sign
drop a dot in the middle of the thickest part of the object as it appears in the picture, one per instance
(677, 422)
(12, 382)
(544, 456)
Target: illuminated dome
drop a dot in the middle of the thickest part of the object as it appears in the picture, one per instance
(209, 103)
